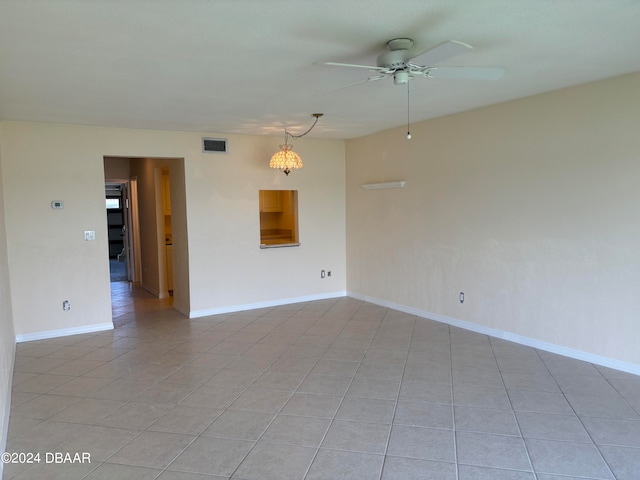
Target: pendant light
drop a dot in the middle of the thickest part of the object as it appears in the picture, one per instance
(286, 159)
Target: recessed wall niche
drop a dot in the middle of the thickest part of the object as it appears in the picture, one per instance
(278, 218)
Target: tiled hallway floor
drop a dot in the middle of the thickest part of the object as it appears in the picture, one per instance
(331, 389)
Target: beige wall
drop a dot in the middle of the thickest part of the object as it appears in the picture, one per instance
(117, 168)
(227, 265)
(50, 261)
(7, 335)
(530, 207)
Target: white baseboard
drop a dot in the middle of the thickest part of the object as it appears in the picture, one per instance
(269, 303)
(512, 337)
(154, 292)
(181, 309)
(29, 337)
(151, 290)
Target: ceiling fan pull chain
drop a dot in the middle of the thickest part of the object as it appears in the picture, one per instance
(408, 122)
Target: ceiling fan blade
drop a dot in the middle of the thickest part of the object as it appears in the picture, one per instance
(359, 82)
(368, 67)
(472, 73)
(444, 51)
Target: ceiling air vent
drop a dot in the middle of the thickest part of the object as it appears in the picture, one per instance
(214, 145)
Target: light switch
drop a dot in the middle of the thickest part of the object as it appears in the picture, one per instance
(89, 235)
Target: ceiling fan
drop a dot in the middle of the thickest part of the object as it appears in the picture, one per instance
(403, 62)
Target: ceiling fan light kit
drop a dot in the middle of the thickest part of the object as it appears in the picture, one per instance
(401, 77)
(286, 159)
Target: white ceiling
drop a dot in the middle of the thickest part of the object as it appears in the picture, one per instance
(248, 66)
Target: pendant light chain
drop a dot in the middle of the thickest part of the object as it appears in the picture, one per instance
(287, 134)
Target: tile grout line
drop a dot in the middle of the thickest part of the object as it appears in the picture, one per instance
(395, 406)
(308, 469)
(636, 411)
(453, 407)
(275, 415)
(513, 411)
(132, 400)
(224, 410)
(576, 415)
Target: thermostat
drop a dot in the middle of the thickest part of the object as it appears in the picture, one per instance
(57, 204)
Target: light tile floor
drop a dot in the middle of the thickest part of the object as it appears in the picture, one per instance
(331, 389)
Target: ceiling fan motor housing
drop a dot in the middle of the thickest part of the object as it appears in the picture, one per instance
(400, 44)
(398, 55)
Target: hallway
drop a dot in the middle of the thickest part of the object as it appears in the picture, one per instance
(131, 302)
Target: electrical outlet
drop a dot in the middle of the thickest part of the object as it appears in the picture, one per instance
(66, 305)
(329, 273)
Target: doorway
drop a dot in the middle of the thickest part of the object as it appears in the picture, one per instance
(153, 236)
(117, 222)
(123, 230)
(116, 231)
